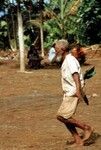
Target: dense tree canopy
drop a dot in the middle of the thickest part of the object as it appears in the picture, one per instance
(77, 21)
(85, 24)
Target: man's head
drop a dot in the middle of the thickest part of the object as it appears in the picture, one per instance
(61, 46)
(78, 52)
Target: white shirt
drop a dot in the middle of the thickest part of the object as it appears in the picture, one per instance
(70, 65)
(51, 54)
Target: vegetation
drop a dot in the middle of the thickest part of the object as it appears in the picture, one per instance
(46, 21)
(85, 24)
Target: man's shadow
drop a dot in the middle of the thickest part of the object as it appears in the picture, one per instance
(93, 138)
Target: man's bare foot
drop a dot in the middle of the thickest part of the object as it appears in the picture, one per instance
(79, 143)
(72, 141)
(87, 133)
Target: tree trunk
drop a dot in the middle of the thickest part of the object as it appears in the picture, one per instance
(14, 33)
(41, 30)
(13, 44)
(62, 17)
(21, 41)
(42, 46)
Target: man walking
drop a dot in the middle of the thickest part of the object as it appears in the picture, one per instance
(72, 84)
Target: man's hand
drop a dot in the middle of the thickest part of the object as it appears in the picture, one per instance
(82, 96)
(79, 95)
(76, 78)
(85, 98)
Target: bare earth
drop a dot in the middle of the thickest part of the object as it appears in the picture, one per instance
(28, 106)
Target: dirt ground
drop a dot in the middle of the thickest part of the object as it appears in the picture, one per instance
(28, 106)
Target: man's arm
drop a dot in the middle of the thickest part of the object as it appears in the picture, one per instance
(77, 81)
(79, 92)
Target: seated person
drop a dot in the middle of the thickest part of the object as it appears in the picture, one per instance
(51, 54)
(52, 57)
(34, 58)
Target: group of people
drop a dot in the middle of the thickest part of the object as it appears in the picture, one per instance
(72, 85)
(35, 61)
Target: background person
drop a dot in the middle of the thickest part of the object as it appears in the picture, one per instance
(52, 57)
(34, 58)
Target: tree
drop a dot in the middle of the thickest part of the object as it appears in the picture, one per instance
(3, 35)
(84, 25)
(57, 26)
(9, 16)
(12, 11)
(40, 8)
(76, 20)
(21, 38)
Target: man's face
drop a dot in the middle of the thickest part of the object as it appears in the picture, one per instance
(59, 50)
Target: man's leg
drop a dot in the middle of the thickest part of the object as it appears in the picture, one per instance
(76, 136)
(86, 128)
(71, 122)
(72, 130)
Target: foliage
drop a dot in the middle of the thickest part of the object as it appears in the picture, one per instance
(85, 25)
(75, 20)
(3, 35)
(56, 26)
(78, 21)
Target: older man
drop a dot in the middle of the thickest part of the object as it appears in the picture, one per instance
(72, 84)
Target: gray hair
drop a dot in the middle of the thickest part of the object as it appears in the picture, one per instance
(63, 44)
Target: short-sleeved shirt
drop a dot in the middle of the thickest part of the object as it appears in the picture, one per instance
(70, 65)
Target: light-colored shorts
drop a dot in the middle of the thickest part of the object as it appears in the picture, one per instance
(68, 107)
